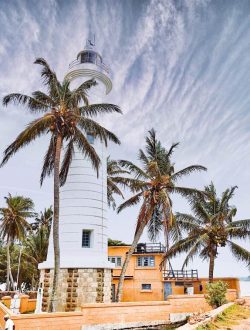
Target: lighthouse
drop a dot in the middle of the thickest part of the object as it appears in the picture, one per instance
(85, 272)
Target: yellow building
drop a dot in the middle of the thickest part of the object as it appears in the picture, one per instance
(144, 281)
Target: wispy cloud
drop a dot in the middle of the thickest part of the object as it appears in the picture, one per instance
(179, 66)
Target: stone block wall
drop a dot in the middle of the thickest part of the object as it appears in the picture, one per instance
(77, 286)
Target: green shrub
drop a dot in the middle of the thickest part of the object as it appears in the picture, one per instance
(216, 293)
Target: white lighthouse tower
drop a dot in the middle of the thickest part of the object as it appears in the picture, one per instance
(85, 272)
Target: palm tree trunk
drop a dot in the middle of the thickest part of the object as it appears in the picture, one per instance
(126, 262)
(9, 279)
(8, 266)
(211, 265)
(52, 307)
(19, 265)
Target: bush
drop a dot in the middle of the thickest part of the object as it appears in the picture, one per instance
(216, 293)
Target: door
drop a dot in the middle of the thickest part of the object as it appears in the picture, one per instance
(167, 289)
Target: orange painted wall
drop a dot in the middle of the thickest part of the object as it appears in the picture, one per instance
(141, 275)
(108, 313)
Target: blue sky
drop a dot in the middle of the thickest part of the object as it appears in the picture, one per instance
(182, 67)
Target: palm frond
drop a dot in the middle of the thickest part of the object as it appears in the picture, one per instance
(35, 129)
(43, 98)
(194, 251)
(32, 103)
(239, 252)
(226, 196)
(93, 110)
(48, 163)
(130, 202)
(184, 245)
(185, 192)
(188, 223)
(80, 94)
(68, 156)
(88, 125)
(87, 149)
(155, 225)
(241, 223)
(133, 185)
(143, 158)
(49, 77)
(187, 171)
(171, 150)
(133, 169)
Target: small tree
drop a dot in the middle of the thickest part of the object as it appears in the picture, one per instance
(216, 295)
(114, 242)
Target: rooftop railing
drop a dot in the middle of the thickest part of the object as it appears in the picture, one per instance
(101, 65)
(180, 274)
(149, 248)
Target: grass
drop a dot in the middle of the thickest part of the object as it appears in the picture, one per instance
(231, 316)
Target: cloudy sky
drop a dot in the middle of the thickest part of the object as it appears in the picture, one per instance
(182, 67)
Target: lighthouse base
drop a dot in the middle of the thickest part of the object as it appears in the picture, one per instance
(77, 286)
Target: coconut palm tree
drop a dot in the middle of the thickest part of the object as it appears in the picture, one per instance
(154, 182)
(35, 248)
(211, 226)
(116, 181)
(44, 219)
(67, 118)
(14, 225)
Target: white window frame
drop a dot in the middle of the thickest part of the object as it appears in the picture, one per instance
(117, 260)
(145, 261)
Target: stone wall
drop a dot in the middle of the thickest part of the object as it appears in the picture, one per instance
(77, 287)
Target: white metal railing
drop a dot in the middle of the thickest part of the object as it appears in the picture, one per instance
(103, 66)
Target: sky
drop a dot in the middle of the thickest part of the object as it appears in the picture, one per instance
(182, 67)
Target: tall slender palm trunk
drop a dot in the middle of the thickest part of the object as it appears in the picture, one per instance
(211, 265)
(53, 301)
(8, 266)
(126, 262)
(9, 278)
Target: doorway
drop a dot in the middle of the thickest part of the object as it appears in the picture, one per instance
(167, 289)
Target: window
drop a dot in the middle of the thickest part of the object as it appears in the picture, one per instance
(146, 261)
(116, 260)
(146, 286)
(90, 138)
(88, 57)
(86, 235)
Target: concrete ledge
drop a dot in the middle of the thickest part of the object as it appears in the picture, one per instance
(125, 304)
(212, 315)
(186, 296)
(129, 325)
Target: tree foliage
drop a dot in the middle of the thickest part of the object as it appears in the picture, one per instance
(210, 226)
(216, 294)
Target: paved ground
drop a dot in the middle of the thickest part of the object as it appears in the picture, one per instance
(244, 325)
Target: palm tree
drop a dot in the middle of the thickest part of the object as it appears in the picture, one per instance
(211, 226)
(154, 182)
(44, 219)
(68, 123)
(116, 181)
(35, 248)
(14, 225)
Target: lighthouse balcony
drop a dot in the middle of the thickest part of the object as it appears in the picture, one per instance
(90, 61)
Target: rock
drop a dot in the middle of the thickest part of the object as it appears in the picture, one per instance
(240, 301)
